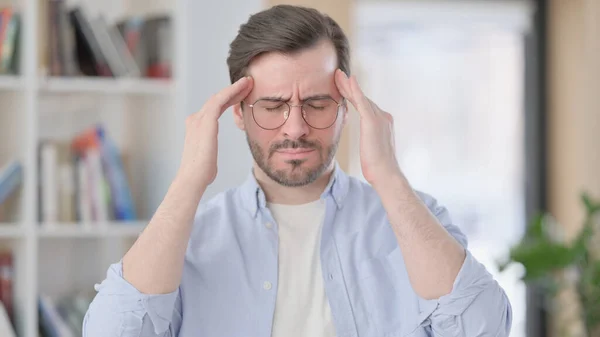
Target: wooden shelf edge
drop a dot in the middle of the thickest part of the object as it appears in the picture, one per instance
(11, 82)
(91, 230)
(11, 230)
(106, 85)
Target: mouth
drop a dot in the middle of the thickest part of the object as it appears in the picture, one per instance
(297, 153)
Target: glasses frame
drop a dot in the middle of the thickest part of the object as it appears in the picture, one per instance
(286, 117)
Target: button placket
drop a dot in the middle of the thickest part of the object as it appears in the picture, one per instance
(270, 277)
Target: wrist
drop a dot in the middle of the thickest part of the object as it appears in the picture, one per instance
(191, 183)
(391, 184)
(388, 178)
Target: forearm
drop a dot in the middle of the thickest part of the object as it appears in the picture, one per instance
(154, 264)
(432, 256)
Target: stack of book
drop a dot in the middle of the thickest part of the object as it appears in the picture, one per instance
(83, 180)
(74, 44)
(10, 29)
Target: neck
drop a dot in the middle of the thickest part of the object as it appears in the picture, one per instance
(279, 194)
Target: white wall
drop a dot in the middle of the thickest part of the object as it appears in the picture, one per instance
(209, 32)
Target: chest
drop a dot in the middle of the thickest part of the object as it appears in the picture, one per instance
(231, 282)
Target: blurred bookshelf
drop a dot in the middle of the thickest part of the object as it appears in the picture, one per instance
(91, 230)
(106, 86)
(11, 82)
(89, 91)
(10, 230)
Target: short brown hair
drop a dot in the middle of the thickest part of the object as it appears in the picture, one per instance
(286, 29)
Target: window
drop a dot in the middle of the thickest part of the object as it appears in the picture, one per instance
(452, 74)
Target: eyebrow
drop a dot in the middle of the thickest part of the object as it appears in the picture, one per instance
(282, 99)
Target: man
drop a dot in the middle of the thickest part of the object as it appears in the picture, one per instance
(300, 249)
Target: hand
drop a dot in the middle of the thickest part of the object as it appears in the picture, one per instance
(199, 158)
(377, 149)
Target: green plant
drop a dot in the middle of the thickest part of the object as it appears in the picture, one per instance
(543, 254)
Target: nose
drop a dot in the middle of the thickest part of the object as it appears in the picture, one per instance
(295, 126)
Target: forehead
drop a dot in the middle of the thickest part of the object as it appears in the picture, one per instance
(294, 76)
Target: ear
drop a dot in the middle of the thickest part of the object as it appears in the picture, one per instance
(238, 116)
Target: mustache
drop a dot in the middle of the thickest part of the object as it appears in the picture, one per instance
(294, 144)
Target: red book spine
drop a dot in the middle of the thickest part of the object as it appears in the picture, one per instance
(6, 282)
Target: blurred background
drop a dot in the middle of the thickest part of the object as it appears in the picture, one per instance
(496, 110)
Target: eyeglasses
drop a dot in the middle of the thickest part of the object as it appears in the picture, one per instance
(318, 113)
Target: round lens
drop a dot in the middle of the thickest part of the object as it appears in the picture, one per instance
(270, 114)
(320, 113)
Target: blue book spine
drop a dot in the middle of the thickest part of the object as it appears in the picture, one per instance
(10, 179)
(122, 201)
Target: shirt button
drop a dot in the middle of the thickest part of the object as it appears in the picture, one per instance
(267, 285)
(331, 276)
(269, 225)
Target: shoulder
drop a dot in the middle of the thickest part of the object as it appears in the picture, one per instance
(361, 192)
(362, 197)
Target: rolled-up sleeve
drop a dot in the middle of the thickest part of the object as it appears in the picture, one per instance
(477, 305)
(120, 310)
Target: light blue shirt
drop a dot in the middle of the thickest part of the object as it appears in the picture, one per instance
(232, 255)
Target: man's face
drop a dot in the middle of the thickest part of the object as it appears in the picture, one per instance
(293, 154)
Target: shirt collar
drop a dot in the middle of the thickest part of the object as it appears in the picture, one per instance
(253, 198)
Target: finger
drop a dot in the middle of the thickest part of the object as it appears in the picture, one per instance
(241, 95)
(362, 102)
(222, 100)
(341, 81)
(343, 84)
(377, 109)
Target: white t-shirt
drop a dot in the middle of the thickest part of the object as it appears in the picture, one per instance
(302, 308)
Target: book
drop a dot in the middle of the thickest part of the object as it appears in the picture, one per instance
(83, 179)
(95, 139)
(11, 177)
(6, 283)
(77, 43)
(6, 327)
(48, 200)
(52, 324)
(10, 31)
(63, 316)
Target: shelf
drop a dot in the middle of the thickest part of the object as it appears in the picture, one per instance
(106, 85)
(11, 230)
(91, 230)
(10, 82)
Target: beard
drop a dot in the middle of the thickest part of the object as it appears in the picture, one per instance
(297, 174)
